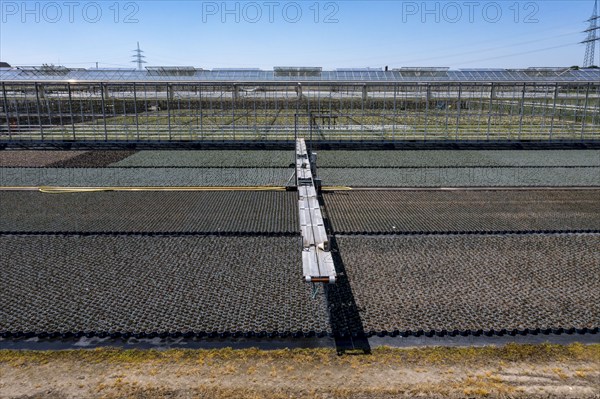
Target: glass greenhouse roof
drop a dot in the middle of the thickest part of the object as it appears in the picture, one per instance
(297, 75)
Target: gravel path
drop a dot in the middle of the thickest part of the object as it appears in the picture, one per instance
(141, 177)
(138, 284)
(459, 211)
(33, 158)
(446, 158)
(474, 282)
(460, 177)
(212, 158)
(188, 212)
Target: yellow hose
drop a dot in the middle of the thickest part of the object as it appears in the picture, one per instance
(19, 188)
(62, 190)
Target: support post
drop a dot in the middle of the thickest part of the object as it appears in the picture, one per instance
(585, 107)
(233, 112)
(6, 111)
(104, 93)
(459, 103)
(427, 95)
(39, 109)
(490, 110)
(71, 110)
(493, 93)
(522, 110)
(169, 87)
(553, 110)
(395, 113)
(137, 123)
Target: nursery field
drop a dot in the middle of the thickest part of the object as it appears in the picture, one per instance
(480, 284)
(414, 212)
(205, 246)
(208, 212)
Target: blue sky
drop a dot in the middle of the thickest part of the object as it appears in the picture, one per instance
(263, 34)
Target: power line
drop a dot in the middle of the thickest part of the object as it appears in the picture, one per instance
(516, 54)
(485, 50)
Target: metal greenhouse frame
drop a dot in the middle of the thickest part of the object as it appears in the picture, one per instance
(51, 104)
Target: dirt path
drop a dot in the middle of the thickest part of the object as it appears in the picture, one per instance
(513, 371)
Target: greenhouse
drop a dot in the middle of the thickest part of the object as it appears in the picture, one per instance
(187, 104)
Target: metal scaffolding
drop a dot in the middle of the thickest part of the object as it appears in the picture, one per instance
(317, 262)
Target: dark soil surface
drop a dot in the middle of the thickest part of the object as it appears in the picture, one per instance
(93, 159)
(34, 158)
(150, 212)
(394, 212)
(185, 285)
(410, 283)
